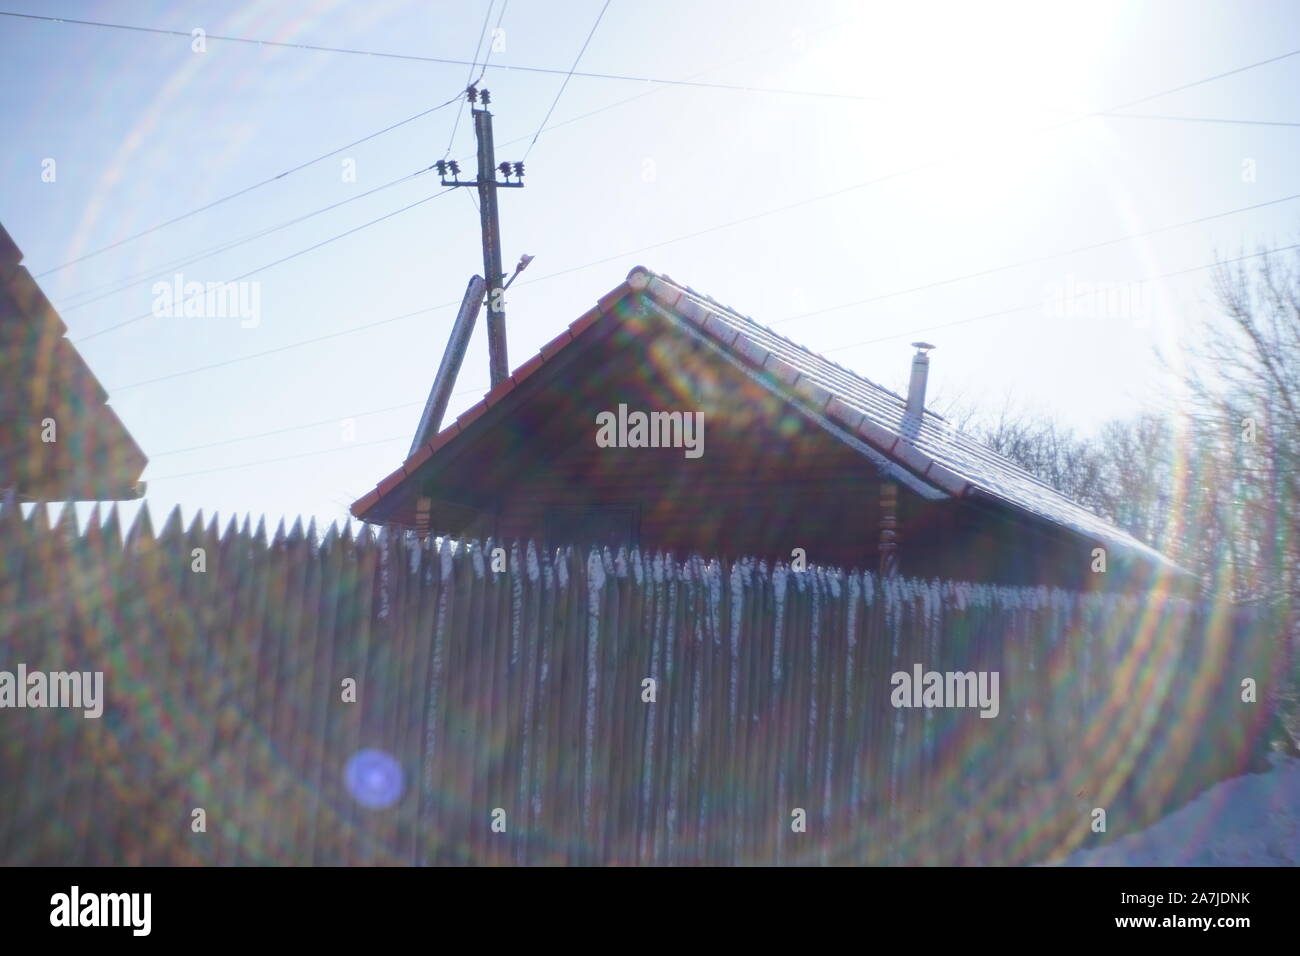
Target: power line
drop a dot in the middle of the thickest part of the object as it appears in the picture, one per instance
(450, 303)
(268, 461)
(263, 268)
(974, 318)
(296, 428)
(279, 431)
(469, 81)
(285, 348)
(495, 30)
(542, 127)
(660, 88)
(446, 61)
(487, 15)
(145, 275)
(1199, 119)
(631, 78)
(239, 192)
(222, 247)
(1209, 79)
(1044, 258)
(710, 229)
(1038, 304)
(567, 77)
(930, 164)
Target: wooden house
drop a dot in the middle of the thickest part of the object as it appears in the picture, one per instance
(59, 438)
(776, 451)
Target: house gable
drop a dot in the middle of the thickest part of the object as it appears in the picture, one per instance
(645, 321)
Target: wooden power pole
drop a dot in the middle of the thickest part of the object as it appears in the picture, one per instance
(487, 185)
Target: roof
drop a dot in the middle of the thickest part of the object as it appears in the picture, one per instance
(940, 460)
(42, 375)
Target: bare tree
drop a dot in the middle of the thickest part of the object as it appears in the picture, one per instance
(1218, 487)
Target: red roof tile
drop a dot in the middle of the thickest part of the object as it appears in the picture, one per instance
(421, 455)
(444, 436)
(584, 322)
(528, 368)
(471, 415)
(557, 343)
(365, 503)
(392, 481)
(499, 391)
(612, 298)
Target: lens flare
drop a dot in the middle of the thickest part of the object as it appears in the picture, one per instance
(374, 778)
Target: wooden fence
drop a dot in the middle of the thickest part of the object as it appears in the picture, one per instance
(505, 712)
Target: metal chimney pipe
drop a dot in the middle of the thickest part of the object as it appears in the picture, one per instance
(916, 387)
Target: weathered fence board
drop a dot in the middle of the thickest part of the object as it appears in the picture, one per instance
(522, 691)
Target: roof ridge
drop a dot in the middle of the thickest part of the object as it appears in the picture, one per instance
(799, 346)
(947, 425)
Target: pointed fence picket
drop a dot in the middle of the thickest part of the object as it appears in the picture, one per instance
(521, 690)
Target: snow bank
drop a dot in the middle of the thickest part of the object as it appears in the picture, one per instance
(1252, 820)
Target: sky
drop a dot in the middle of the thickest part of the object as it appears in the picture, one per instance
(855, 175)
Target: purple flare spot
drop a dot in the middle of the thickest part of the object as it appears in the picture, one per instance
(374, 779)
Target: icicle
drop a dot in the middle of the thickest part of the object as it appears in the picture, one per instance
(893, 616)
(814, 583)
(444, 554)
(562, 567)
(534, 569)
(595, 586)
(595, 571)
(855, 591)
(476, 561)
(713, 579)
(930, 601)
(385, 548)
(737, 607)
(779, 576)
(413, 555)
(516, 604)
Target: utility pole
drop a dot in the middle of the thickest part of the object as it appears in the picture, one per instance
(487, 185)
